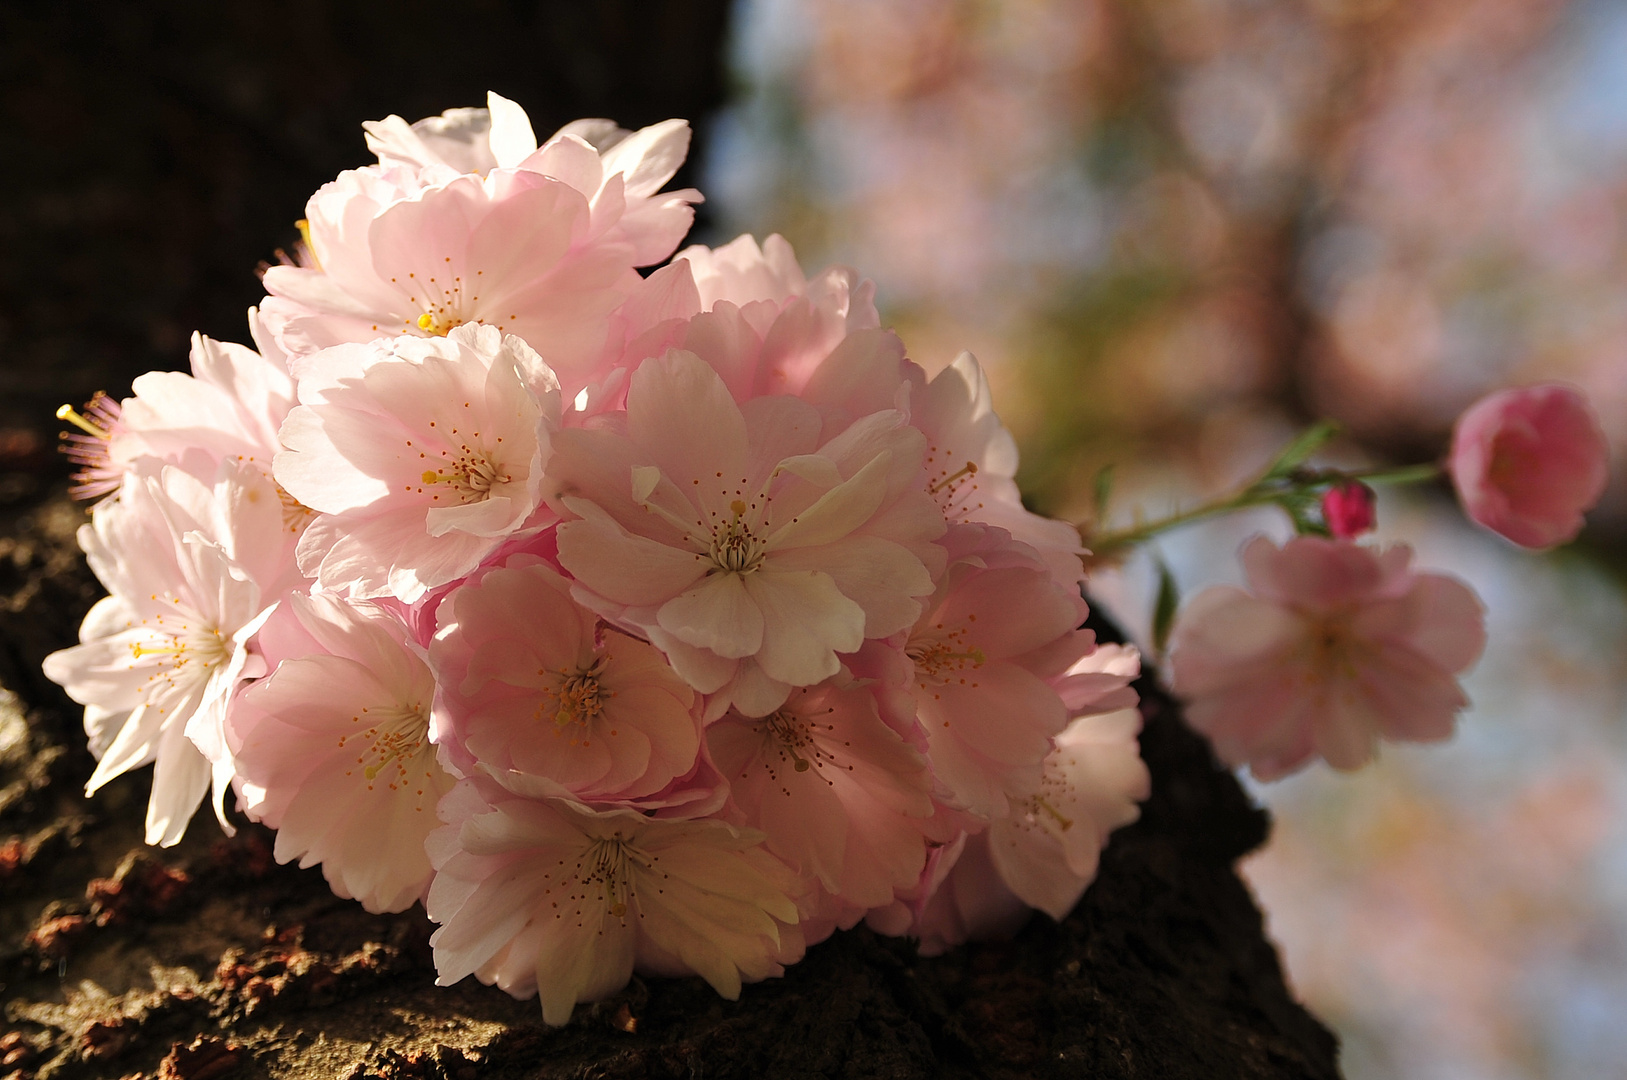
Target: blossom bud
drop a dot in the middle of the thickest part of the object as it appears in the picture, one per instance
(1348, 509)
(1528, 462)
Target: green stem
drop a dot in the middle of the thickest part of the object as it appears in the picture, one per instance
(1269, 489)
(1406, 474)
(1101, 544)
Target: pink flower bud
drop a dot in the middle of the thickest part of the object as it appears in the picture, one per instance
(1528, 462)
(1348, 509)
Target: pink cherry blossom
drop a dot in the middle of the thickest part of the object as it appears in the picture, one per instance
(459, 140)
(162, 653)
(839, 794)
(421, 456)
(766, 330)
(621, 182)
(467, 220)
(1529, 462)
(971, 466)
(995, 632)
(1042, 854)
(1347, 509)
(741, 272)
(747, 549)
(962, 899)
(230, 406)
(1099, 681)
(533, 685)
(1046, 849)
(332, 751)
(546, 895)
(1337, 646)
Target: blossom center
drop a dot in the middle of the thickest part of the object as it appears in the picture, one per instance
(954, 488)
(792, 741)
(736, 547)
(443, 302)
(579, 697)
(396, 736)
(944, 655)
(1329, 643)
(183, 650)
(1036, 811)
(788, 730)
(606, 866)
(438, 324)
(471, 475)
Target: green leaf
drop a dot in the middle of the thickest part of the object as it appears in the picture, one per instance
(1163, 608)
(1299, 451)
(1102, 489)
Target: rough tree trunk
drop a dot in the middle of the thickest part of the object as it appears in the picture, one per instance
(165, 148)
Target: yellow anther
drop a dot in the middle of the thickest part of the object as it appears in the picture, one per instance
(436, 326)
(304, 227)
(77, 419)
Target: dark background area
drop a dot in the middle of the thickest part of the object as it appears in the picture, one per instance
(159, 152)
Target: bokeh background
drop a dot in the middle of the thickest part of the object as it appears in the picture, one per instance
(1176, 231)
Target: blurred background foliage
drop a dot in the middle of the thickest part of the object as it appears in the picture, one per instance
(1176, 231)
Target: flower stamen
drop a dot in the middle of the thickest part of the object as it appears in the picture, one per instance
(969, 469)
(1064, 822)
(473, 476)
(295, 514)
(939, 658)
(82, 422)
(579, 696)
(794, 738)
(397, 735)
(605, 864)
(90, 451)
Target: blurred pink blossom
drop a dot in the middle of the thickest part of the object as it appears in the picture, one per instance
(1528, 462)
(1337, 645)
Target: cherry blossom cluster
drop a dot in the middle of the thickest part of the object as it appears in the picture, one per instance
(662, 622)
